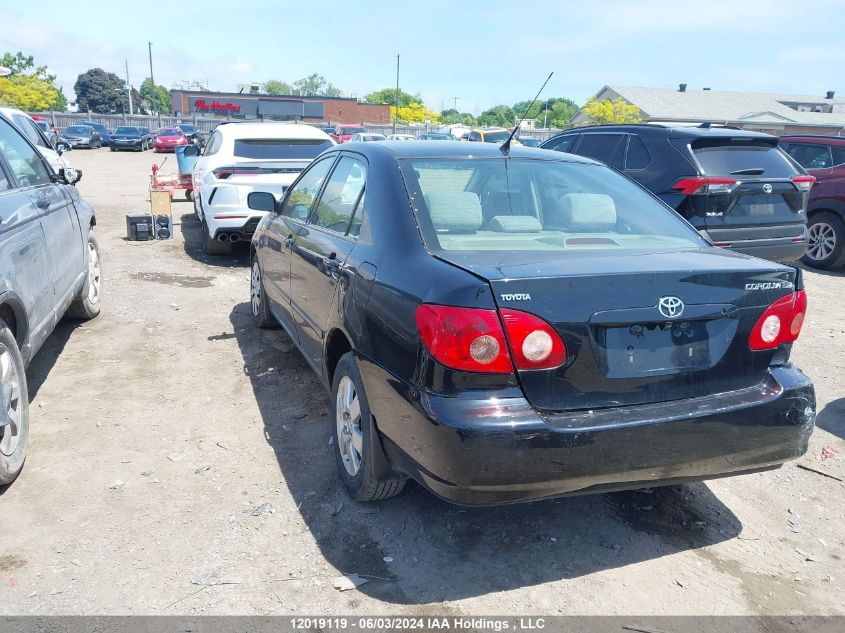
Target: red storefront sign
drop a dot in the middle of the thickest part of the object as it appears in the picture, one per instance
(228, 106)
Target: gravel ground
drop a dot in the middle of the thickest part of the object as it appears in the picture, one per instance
(179, 464)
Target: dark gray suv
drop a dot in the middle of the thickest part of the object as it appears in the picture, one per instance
(49, 266)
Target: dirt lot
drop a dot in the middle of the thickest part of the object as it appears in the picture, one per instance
(179, 464)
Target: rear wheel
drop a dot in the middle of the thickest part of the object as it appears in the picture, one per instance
(113, 149)
(826, 248)
(357, 449)
(14, 408)
(88, 306)
(213, 246)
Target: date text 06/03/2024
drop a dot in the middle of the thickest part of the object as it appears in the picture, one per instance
(404, 623)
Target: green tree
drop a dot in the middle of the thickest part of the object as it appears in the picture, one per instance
(276, 87)
(451, 116)
(388, 96)
(154, 99)
(29, 87)
(315, 85)
(498, 116)
(101, 91)
(607, 111)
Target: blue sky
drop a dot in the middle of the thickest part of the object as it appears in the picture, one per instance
(484, 53)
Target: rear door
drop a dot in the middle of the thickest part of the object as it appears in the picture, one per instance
(608, 148)
(320, 250)
(758, 200)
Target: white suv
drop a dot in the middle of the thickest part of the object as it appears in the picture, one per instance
(240, 158)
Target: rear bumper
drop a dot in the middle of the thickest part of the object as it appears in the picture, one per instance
(480, 452)
(783, 250)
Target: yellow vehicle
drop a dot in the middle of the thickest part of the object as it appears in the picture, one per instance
(491, 135)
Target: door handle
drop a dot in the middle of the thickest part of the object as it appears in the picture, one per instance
(289, 241)
(42, 203)
(332, 264)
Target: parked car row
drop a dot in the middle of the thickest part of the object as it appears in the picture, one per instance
(49, 267)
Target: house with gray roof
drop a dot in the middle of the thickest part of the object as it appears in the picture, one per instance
(760, 111)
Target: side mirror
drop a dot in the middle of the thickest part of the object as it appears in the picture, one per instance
(60, 149)
(193, 150)
(70, 176)
(261, 201)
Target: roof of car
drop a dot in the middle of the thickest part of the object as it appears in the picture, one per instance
(817, 138)
(272, 130)
(675, 131)
(456, 149)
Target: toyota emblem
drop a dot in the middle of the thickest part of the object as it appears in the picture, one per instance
(670, 307)
(767, 188)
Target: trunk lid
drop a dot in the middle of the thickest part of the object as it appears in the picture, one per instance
(622, 350)
(273, 176)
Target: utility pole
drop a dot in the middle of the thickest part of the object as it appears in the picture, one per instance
(456, 103)
(545, 115)
(396, 101)
(128, 86)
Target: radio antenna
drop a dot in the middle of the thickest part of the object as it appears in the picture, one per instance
(506, 146)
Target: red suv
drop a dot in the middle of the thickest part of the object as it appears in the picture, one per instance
(343, 133)
(824, 158)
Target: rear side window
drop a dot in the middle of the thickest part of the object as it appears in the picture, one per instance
(637, 156)
(810, 156)
(337, 204)
(838, 155)
(608, 148)
(272, 148)
(725, 157)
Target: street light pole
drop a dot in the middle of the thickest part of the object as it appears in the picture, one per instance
(396, 101)
(128, 87)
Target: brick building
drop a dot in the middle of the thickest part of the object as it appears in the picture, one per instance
(236, 105)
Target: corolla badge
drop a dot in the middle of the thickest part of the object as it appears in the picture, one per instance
(670, 307)
(767, 188)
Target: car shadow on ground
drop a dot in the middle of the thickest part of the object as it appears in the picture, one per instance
(836, 272)
(417, 549)
(192, 239)
(832, 418)
(47, 356)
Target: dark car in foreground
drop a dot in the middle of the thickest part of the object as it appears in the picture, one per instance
(81, 136)
(102, 130)
(736, 187)
(128, 137)
(49, 266)
(508, 328)
(824, 158)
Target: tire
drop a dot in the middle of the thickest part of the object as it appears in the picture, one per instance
(14, 408)
(261, 314)
(112, 149)
(367, 478)
(88, 306)
(212, 246)
(826, 248)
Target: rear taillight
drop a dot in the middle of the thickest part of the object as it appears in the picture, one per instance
(467, 339)
(780, 323)
(701, 185)
(471, 339)
(534, 343)
(222, 173)
(804, 183)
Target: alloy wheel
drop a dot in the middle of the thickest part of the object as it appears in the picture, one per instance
(10, 403)
(822, 241)
(255, 289)
(93, 273)
(350, 433)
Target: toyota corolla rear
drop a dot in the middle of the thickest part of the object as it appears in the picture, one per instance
(608, 346)
(257, 164)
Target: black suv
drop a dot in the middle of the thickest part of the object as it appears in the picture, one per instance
(736, 187)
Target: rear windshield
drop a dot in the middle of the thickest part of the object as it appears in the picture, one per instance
(127, 130)
(78, 129)
(722, 157)
(533, 205)
(351, 130)
(273, 148)
(496, 137)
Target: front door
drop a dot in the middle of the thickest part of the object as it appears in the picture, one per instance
(319, 253)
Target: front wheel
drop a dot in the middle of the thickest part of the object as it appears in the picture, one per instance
(360, 462)
(826, 247)
(261, 315)
(88, 305)
(14, 408)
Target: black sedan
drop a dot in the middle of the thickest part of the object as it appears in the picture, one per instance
(81, 136)
(504, 327)
(133, 138)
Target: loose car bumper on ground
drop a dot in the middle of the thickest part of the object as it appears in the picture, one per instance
(478, 452)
